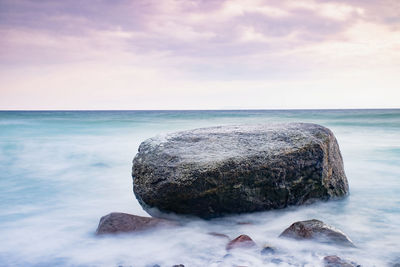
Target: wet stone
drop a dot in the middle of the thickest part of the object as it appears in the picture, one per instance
(242, 241)
(317, 231)
(335, 261)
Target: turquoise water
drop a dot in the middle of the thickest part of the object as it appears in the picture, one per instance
(61, 171)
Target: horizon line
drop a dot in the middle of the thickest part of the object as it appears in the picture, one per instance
(239, 109)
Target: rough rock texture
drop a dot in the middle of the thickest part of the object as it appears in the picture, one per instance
(335, 261)
(117, 222)
(211, 172)
(242, 241)
(317, 231)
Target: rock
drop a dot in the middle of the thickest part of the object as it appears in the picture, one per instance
(212, 172)
(335, 261)
(242, 241)
(178, 265)
(118, 222)
(317, 231)
(267, 250)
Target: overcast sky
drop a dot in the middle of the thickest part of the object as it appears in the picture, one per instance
(165, 54)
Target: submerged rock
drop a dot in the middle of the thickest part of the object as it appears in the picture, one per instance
(211, 172)
(118, 222)
(335, 261)
(267, 250)
(318, 231)
(242, 241)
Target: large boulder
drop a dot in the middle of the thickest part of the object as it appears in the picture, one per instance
(317, 231)
(216, 171)
(118, 222)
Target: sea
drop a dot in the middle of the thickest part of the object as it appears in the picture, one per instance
(61, 171)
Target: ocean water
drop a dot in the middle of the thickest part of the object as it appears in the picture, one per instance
(61, 171)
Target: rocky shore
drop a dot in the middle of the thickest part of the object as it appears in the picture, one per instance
(311, 230)
(213, 172)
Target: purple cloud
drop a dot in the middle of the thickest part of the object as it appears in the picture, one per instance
(199, 40)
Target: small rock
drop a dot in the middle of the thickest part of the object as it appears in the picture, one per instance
(178, 265)
(117, 222)
(267, 250)
(242, 241)
(317, 231)
(335, 261)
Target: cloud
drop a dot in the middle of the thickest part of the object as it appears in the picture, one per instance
(269, 43)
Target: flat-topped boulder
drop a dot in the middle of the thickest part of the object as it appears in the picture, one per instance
(210, 172)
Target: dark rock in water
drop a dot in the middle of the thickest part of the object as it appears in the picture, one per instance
(242, 241)
(179, 265)
(335, 261)
(317, 231)
(117, 222)
(267, 250)
(211, 172)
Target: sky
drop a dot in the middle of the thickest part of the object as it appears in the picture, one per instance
(199, 54)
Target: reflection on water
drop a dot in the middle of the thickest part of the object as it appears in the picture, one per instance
(62, 171)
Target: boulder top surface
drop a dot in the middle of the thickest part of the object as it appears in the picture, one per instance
(204, 145)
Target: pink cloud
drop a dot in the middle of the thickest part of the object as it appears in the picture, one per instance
(195, 41)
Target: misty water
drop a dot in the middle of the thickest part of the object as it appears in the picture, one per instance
(61, 171)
